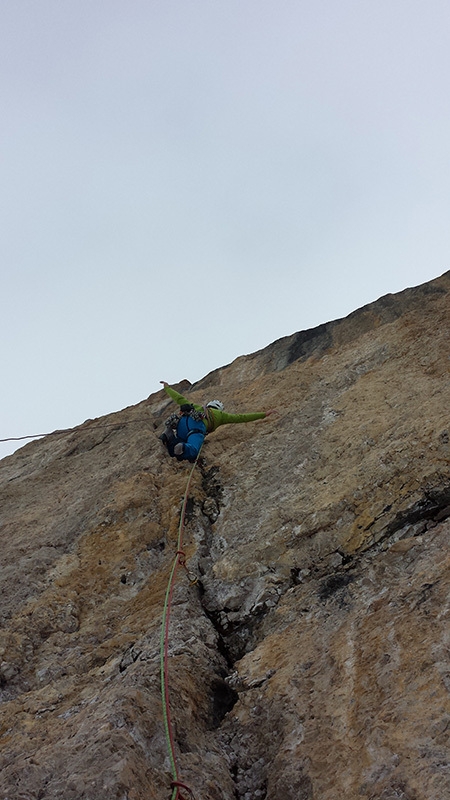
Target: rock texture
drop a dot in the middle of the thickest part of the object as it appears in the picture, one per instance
(311, 659)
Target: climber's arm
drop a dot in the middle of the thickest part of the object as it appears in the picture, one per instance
(174, 395)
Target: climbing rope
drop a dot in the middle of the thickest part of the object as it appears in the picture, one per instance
(88, 428)
(179, 790)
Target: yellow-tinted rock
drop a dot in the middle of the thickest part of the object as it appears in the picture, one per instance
(310, 660)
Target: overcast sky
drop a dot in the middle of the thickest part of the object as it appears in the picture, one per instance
(184, 181)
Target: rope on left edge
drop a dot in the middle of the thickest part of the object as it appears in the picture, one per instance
(179, 560)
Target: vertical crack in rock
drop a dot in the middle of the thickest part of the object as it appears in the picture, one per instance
(213, 489)
(236, 614)
(234, 609)
(224, 699)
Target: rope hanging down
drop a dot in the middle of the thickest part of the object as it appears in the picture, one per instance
(179, 560)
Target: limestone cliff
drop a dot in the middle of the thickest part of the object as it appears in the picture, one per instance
(311, 658)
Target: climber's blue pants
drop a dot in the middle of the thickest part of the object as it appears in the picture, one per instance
(192, 446)
(191, 433)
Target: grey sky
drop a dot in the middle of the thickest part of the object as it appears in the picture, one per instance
(185, 181)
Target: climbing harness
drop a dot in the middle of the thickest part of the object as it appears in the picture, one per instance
(195, 414)
(172, 422)
(179, 790)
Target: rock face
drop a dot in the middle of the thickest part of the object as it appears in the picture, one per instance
(311, 658)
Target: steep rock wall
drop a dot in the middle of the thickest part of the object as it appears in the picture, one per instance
(311, 659)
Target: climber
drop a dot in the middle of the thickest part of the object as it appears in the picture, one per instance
(185, 432)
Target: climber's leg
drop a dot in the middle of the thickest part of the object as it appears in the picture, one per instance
(192, 447)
